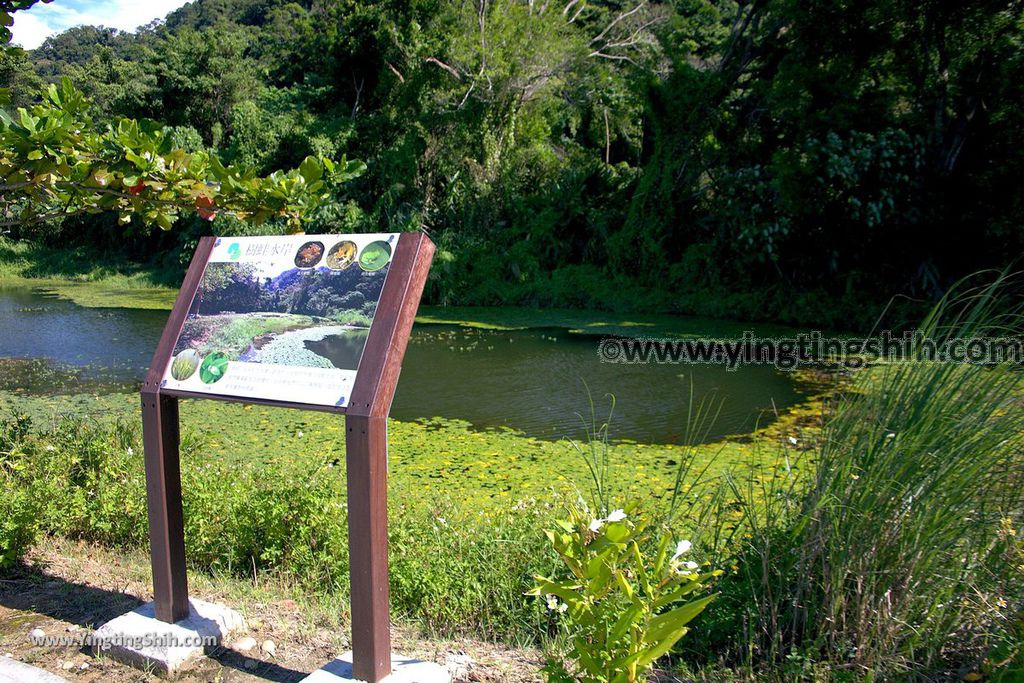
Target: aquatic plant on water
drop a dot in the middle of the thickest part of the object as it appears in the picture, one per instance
(290, 349)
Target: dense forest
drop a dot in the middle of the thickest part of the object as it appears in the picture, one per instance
(761, 159)
(322, 292)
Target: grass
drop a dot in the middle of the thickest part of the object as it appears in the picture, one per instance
(899, 557)
(79, 276)
(265, 491)
(815, 536)
(886, 546)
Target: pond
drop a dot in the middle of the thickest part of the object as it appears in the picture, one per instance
(534, 381)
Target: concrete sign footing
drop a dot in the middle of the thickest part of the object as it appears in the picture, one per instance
(403, 670)
(140, 640)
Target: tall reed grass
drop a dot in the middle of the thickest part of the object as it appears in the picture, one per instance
(894, 556)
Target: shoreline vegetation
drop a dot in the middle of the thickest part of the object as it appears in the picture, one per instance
(77, 275)
(815, 518)
(265, 491)
(119, 284)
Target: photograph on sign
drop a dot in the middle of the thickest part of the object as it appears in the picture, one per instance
(282, 318)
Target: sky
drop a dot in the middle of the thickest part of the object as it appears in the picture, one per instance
(32, 27)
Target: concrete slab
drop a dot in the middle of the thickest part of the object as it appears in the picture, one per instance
(12, 671)
(139, 639)
(403, 670)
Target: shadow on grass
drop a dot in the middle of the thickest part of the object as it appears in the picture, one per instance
(32, 590)
(266, 670)
(81, 263)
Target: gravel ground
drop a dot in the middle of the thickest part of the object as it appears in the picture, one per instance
(68, 589)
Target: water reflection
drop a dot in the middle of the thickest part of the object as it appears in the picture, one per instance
(533, 381)
(343, 350)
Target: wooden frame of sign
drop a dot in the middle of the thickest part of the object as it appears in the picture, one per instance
(365, 410)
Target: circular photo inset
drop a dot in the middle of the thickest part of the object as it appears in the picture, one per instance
(309, 254)
(342, 255)
(213, 368)
(185, 364)
(375, 255)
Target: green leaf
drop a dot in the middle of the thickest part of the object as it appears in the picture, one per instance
(596, 563)
(680, 592)
(311, 170)
(549, 587)
(671, 621)
(660, 649)
(661, 555)
(628, 618)
(616, 532)
(624, 583)
(61, 140)
(640, 568)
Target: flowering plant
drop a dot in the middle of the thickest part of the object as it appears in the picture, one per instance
(621, 609)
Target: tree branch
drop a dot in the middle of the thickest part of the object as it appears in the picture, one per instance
(452, 70)
(625, 15)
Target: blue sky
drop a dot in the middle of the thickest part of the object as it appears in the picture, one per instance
(31, 28)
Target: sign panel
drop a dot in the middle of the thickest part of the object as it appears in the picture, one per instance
(282, 318)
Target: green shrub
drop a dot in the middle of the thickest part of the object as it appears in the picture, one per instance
(454, 569)
(89, 478)
(18, 521)
(458, 571)
(622, 609)
(18, 511)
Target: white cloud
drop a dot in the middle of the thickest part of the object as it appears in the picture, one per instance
(32, 27)
(29, 31)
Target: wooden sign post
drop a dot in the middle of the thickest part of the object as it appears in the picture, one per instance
(360, 385)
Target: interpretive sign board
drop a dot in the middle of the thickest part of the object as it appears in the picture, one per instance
(315, 322)
(282, 318)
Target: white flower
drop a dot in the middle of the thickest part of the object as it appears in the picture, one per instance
(554, 605)
(562, 608)
(130, 451)
(616, 516)
(792, 440)
(687, 567)
(50, 447)
(299, 434)
(596, 525)
(682, 547)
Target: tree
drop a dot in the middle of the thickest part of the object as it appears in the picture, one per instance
(56, 161)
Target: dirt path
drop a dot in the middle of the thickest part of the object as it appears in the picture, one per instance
(67, 589)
